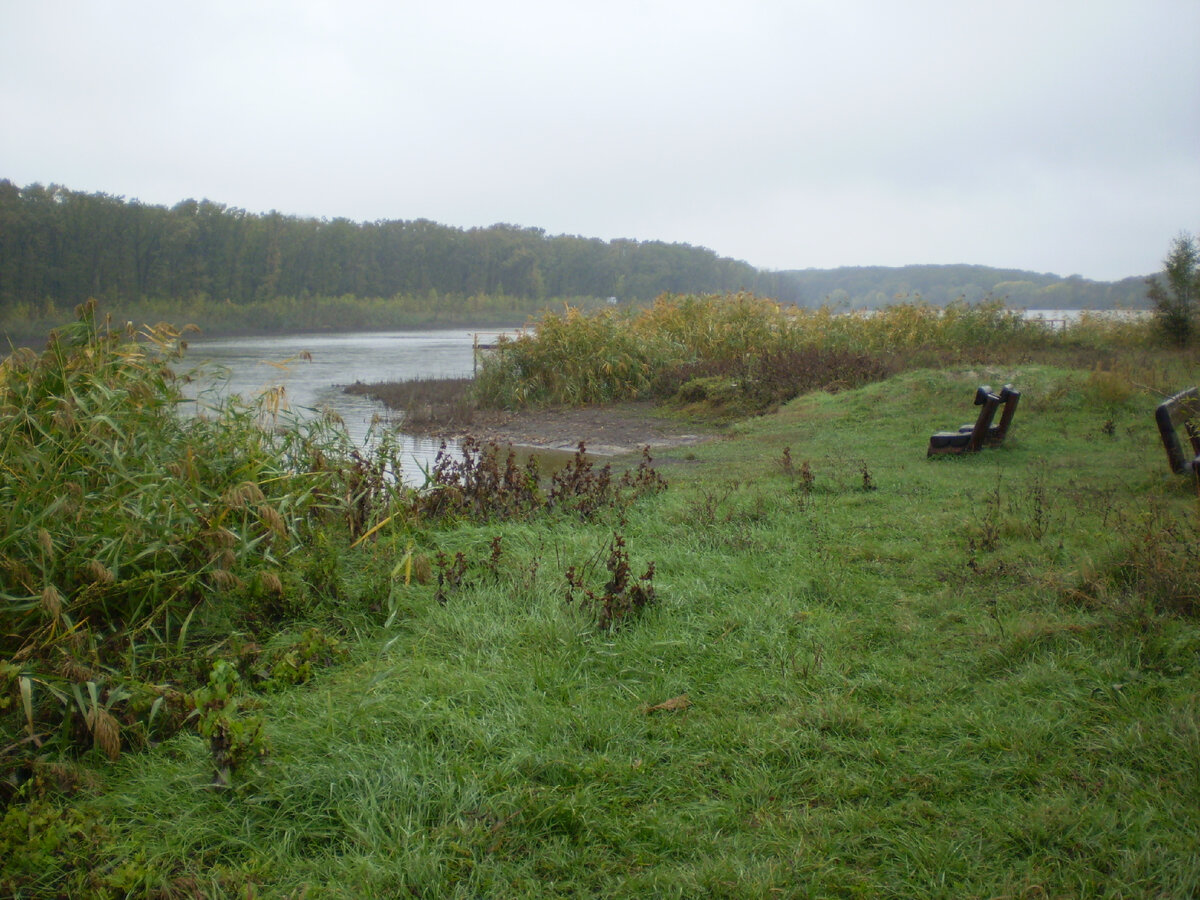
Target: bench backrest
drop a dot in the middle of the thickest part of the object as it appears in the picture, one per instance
(1009, 398)
(1180, 411)
(990, 402)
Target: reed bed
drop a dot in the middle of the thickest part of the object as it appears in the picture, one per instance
(424, 402)
(131, 534)
(617, 354)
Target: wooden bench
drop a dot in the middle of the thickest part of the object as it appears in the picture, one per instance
(973, 437)
(1182, 410)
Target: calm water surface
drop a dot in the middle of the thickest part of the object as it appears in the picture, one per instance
(312, 369)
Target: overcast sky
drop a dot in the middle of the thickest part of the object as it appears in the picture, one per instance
(1057, 136)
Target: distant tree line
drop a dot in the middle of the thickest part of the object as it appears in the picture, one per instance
(876, 286)
(59, 246)
(67, 246)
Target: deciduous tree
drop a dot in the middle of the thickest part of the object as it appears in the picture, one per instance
(1176, 301)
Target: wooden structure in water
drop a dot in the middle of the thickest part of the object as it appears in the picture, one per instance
(480, 343)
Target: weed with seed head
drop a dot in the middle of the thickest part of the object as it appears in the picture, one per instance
(807, 478)
(451, 574)
(622, 597)
(868, 483)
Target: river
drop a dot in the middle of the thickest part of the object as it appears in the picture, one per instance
(312, 369)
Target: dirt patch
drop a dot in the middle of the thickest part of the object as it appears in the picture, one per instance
(612, 430)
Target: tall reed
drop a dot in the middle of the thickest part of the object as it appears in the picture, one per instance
(129, 531)
(620, 353)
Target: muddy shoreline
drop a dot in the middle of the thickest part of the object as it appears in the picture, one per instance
(612, 430)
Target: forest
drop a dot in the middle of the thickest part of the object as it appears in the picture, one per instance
(872, 287)
(68, 245)
(59, 247)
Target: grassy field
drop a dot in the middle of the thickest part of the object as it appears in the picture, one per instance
(858, 672)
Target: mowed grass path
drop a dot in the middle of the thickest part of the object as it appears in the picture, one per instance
(907, 678)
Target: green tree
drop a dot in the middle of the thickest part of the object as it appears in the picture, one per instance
(1175, 303)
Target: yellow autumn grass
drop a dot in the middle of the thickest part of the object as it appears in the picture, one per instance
(573, 357)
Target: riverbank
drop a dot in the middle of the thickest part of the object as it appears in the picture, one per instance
(617, 429)
(441, 408)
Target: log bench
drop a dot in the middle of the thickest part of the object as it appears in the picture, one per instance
(1174, 413)
(974, 436)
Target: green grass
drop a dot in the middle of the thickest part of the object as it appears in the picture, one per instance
(978, 678)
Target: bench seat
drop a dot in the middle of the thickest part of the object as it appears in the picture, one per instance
(974, 437)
